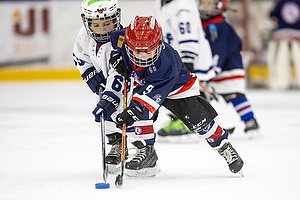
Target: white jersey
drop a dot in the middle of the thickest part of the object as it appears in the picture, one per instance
(87, 53)
(182, 29)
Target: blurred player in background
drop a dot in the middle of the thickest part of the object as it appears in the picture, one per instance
(222, 70)
(284, 47)
(226, 47)
(161, 78)
(182, 29)
(91, 55)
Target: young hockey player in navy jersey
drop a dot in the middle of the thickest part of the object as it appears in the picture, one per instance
(91, 54)
(162, 79)
(226, 49)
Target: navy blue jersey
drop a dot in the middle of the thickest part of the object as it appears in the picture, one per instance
(167, 77)
(225, 44)
(287, 13)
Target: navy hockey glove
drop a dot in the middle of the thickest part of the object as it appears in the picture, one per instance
(108, 104)
(129, 116)
(118, 64)
(94, 79)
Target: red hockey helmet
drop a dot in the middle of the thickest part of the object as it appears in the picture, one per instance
(212, 8)
(143, 38)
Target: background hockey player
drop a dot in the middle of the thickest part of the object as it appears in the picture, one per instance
(91, 54)
(164, 80)
(226, 49)
(284, 47)
(182, 29)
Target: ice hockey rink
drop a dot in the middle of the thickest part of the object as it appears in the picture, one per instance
(50, 149)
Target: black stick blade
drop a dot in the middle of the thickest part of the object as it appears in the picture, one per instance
(119, 181)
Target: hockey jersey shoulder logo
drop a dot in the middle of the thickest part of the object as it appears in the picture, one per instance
(213, 32)
(120, 41)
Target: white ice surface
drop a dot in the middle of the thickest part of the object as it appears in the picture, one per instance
(50, 149)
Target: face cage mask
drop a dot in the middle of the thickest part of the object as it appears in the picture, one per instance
(144, 63)
(110, 23)
(208, 15)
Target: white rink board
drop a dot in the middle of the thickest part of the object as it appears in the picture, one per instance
(31, 41)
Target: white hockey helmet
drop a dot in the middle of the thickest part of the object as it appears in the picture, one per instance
(100, 17)
(212, 8)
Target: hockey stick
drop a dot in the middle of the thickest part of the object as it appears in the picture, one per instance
(213, 95)
(104, 165)
(119, 179)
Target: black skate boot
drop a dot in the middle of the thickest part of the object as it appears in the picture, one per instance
(113, 158)
(252, 128)
(143, 164)
(232, 158)
(251, 125)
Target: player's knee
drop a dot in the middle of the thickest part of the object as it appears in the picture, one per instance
(208, 130)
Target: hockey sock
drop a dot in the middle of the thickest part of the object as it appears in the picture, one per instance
(243, 108)
(213, 134)
(223, 136)
(144, 129)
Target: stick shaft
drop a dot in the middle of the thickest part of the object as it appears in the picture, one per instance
(102, 133)
(204, 88)
(124, 129)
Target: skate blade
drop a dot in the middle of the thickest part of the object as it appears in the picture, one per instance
(241, 173)
(253, 134)
(142, 173)
(114, 169)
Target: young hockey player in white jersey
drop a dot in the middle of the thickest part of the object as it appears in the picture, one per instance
(163, 80)
(91, 54)
(182, 29)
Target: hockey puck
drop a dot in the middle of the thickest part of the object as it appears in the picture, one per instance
(102, 185)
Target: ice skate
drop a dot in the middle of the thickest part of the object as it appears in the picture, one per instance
(176, 131)
(252, 128)
(234, 161)
(174, 128)
(143, 164)
(113, 158)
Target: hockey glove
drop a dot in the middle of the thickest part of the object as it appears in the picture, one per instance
(188, 62)
(108, 104)
(94, 80)
(118, 64)
(129, 116)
